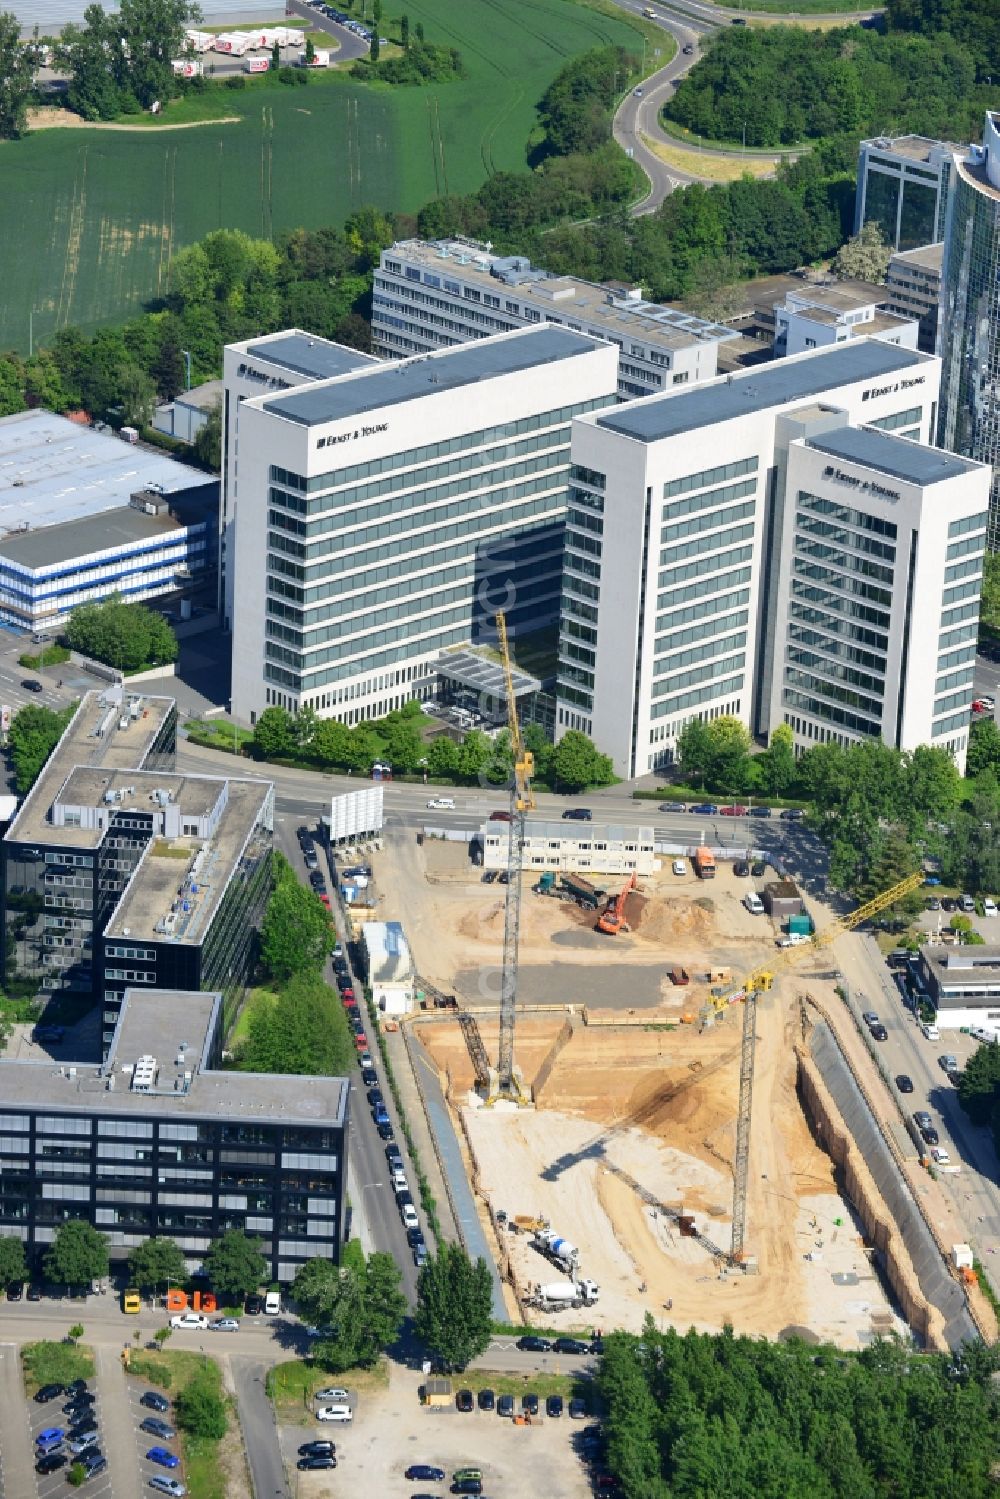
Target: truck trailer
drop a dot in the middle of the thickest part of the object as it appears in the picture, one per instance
(703, 860)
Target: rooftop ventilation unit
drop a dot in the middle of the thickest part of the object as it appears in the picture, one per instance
(144, 1075)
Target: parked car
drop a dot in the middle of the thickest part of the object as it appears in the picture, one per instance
(989, 906)
(529, 1403)
(51, 1462)
(949, 1062)
(673, 806)
(424, 1473)
(226, 1324)
(486, 1400)
(932, 903)
(154, 1401)
(679, 866)
(578, 814)
(570, 1345)
(705, 809)
(760, 812)
(940, 1156)
(741, 869)
(317, 1463)
(733, 811)
(253, 1306)
(163, 1457)
(164, 1485)
(93, 1463)
(196, 1320)
(157, 1428)
(554, 1406)
(577, 1409)
(505, 1406)
(84, 1441)
(532, 1344)
(793, 814)
(49, 1436)
(318, 1449)
(465, 1401)
(52, 1034)
(758, 868)
(930, 1134)
(49, 1392)
(331, 1392)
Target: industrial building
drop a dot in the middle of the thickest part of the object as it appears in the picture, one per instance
(595, 848)
(913, 289)
(969, 334)
(159, 1140)
(964, 985)
(119, 872)
(260, 366)
(903, 185)
(389, 968)
(386, 514)
(433, 294)
(185, 416)
(750, 572)
(84, 515)
(818, 316)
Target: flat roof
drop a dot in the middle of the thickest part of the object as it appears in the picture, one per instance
(579, 832)
(53, 470)
(899, 456)
(427, 375)
(388, 952)
(928, 257)
(154, 1023)
(126, 526)
(80, 745)
(915, 147)
(483, 674)
(305, 354)
(166, 899)
(617, 309)
(963, 965)
(723, 399)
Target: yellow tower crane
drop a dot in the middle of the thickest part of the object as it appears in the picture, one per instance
(758, 982)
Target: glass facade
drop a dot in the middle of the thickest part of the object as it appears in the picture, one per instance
(969, 421)
(905, 195)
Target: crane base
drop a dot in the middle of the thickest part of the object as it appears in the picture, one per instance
(515, 1090)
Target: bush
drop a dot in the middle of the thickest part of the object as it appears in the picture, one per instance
(200, 1408)
(55, 1363)
(235, 81)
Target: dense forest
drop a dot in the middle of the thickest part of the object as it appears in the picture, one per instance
(974, 23)
(700, 1417)
(785, 85)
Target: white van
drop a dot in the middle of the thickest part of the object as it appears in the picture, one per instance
(272, 1304)
(335, 1413)
(753, 903)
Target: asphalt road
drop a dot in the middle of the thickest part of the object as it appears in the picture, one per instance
(350, 46)
(260, 1433)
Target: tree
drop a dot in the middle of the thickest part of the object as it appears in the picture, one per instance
(75, 1333)
(13, 1265)
(127, 636)
(310, 52)
(694, 752)
(304, 1031)
(34, 734)
(208, 441)
(932, 787)
(418, 31)
(979, 1087)
(234, 1264)
(361, 1300)
(776, 767)
(375, 47)
(984, 746)
(92, 54)
(17, 77)
(989, 604)
(273, 734)
(404, 31)
(376, 14)
(577, 763)
(156, 1262)
(454, 1306)
(200, 1408)
(865, 256)
(78, 1254)
(275, 58)
(297, 931)
(442, 757)
(152, 33)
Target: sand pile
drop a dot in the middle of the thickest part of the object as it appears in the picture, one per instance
(672, 922)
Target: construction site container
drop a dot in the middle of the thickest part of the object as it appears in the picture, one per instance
(802, 923)
(782, 899)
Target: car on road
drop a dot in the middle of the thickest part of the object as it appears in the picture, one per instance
(316, 1464)
(163, 1457)
(705, 809)
(879, 1032)
(157, 1428)
(673, 806)
(424, 1473)
(531, 1344)
(420, 1255)
(465, 1401)
(940, 1156)
(164, 1485)
(679, 866)
(869, 1017)
(226, 1324)
(316, 880)
(688, 50)
(51, 1462)
(505, 1406)
(578, 814)
(374, 1097)
(904, 1083)
(554, 1406)
(331, 1392)
(734, 810)
(253, 1306)
(384, 1131)
(793, 814)
(486, 1400)
(30, 685)
(49, 1392)
(921, 1118)
(154, 1401)
(570, 1345)
(760, 812)
(930, 1134)
(638, 93)
(948, 1062)
(441, 804)
(196, 1320)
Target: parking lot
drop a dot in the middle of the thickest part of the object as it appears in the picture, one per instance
(391, 1431)
(52, 1416)
(147, 1441)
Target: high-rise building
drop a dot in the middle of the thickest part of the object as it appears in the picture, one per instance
(697, 516)
(913, 289)
(117, 871)
(434, 294)
(385, 515)
(969, 331)
(159, 1139)
(903, 186)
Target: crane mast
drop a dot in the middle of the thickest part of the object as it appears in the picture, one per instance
(508, 1081)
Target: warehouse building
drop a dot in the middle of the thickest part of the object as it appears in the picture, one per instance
(84, 515)
(119, 872)
(386, 514)
(434, 294)
(750, 572)
(964, 985)
(158, 1140)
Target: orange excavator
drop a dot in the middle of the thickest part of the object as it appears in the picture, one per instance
(613, 920)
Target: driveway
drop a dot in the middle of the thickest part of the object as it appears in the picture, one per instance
(260, 1433)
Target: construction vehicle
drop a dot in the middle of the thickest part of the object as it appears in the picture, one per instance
(570, 887)
(564, 1293)
(524, 1223)
(506, 1082)
(703, 860)
(758, 982)
(558, 1250)
(613, 921)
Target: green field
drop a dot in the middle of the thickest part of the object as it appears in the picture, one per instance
(91, 217)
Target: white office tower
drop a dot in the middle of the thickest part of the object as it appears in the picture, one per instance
(386, 515)
(678, 534)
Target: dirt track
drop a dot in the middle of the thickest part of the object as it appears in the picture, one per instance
(65, 119)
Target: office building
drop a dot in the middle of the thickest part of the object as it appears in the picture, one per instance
(159, 1140)
(581, 848)
(819, 316)
(434, 294)
(880, 543)
(963, 984)
(119, 872)
(674, 548)
(913, 289)
(969, 335)
(386, 515)
(278, 361)
(903, 184)
(84, 515)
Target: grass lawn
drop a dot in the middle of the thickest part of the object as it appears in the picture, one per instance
(217, 733)
(92, 217)
(713, 168)
(204, 1470)
(291, 1385)
(570, 1386)
(55, 1363)
(253, 1001)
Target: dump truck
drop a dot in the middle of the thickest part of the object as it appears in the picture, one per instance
(703, 860)
(582, 890)
(565, 1293)
(557, 1249)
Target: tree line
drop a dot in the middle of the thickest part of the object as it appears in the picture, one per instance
(694, 1415)
(782, 85)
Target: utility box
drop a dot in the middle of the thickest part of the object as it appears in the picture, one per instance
(782, 900)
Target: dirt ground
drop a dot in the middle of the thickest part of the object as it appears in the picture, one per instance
(632, 1113)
